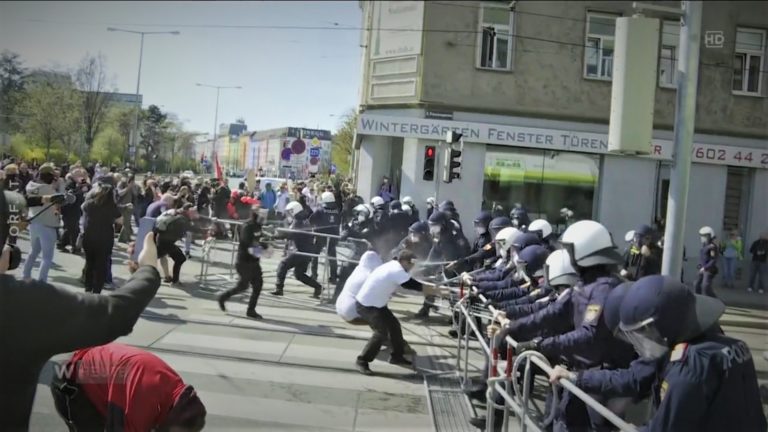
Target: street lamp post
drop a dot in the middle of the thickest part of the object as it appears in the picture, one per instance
(216, 115)
(135, 137)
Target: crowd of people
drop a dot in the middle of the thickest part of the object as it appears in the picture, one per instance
(609, 320)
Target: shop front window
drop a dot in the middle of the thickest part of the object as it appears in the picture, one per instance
(543, 181)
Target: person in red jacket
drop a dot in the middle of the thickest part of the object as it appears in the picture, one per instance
(116, 387)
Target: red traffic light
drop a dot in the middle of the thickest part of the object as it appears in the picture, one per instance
(430, 151)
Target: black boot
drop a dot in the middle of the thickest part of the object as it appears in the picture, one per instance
(423, 313)
(251, 311)
(278, 290)
(223, 299)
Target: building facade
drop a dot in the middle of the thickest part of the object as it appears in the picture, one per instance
(289, 152)
(529, 86)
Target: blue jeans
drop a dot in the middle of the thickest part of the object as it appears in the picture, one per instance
(43, 239)
(729, 270)
(758, 274)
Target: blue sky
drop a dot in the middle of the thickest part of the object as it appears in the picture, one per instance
(290, 77)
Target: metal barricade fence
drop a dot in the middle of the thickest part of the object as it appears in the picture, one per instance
(506, 373)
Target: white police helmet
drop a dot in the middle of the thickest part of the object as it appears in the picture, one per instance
(327, 198)
(377, 201)
(293, 208)
(431, 201)
(505, 238)
(407, 201)
(590, 244)
(407, 209)
(541, 226)
(707, 231)
(362, 212)
(558, 269)
(629, 236)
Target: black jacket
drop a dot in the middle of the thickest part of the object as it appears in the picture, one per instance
(99, 219)
(250, 236)
(39, 320)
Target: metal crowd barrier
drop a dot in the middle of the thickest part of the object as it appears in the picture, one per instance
(503, 375)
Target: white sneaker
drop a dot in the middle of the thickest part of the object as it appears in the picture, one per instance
(749, 289)
(760, 291)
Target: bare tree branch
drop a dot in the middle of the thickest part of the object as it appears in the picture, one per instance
(91, 80)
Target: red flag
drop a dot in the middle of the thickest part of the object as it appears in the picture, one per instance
(219, 174)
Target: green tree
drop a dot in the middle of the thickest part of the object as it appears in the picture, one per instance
(49, 111)
(342, 145)
(11, 87)
(108, 146)
(154, 126)
(91, 79)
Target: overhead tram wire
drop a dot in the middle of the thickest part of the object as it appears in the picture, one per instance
(284, 27)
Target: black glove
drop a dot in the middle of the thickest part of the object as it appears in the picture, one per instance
(504, 332)
(531, 345)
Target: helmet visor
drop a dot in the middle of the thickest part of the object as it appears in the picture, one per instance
(645, 338)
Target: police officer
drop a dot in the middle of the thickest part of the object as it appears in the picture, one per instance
(417, 241)
(647, 257)
(559, 277)
(431, 206)
(513, 248)
(408, 201)
(708, 382)
(636, 381)
(449, 208)
(298, 218)
(519, 217)
(248, 264)
(543, 229)
(707, 262)
(594, 256)
(504, 264)
(529, 267)
(380, 212)
(481, 247)
(327, 220)
(362, 234)
(446, 246)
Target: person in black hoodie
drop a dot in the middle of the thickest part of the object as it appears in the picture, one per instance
(62, 321)
(70, 213)
(100, 211)
(248, 264)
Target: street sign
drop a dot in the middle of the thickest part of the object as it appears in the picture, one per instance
(314, 161)
(315, 142)
(314, 152)
(285, 154)
(298, 146)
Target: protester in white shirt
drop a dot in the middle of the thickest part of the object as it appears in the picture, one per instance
(346, 305)
(371, 305)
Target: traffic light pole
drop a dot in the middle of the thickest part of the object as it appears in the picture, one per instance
(438, 174)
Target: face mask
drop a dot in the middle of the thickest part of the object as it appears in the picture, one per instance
(704, 239)
(435, 230)
(414, 238)
(503, 253)
(361, 218)
(480, 230)
(289, 218)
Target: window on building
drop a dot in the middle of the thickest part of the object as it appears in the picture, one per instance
(748, 60)
(543, 181)
(670, 39)
(598, 52)
(495, 37)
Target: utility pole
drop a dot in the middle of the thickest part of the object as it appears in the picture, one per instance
(133, 147)
(685, 116)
